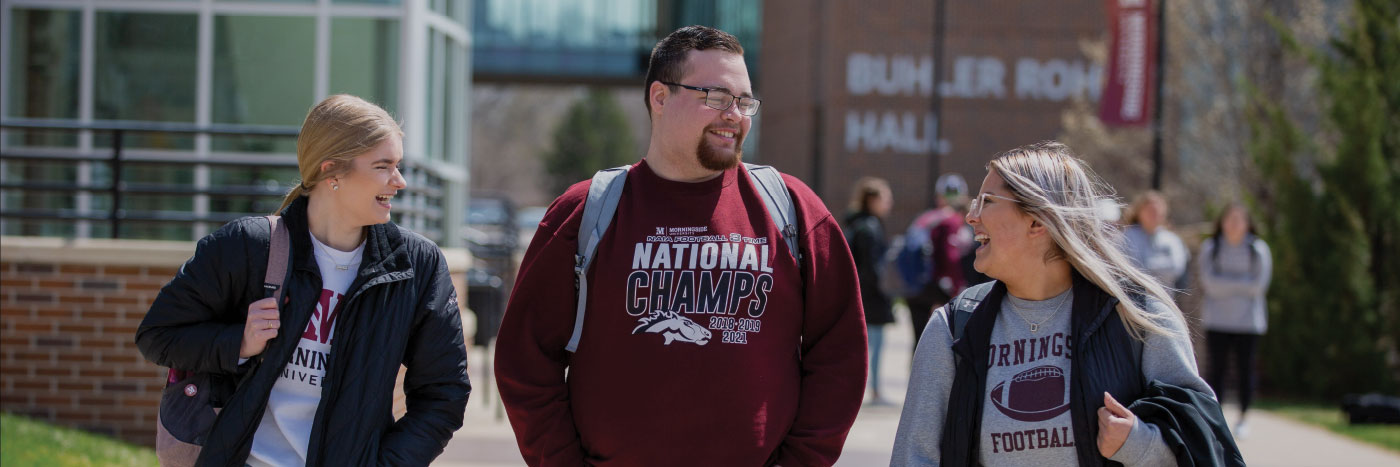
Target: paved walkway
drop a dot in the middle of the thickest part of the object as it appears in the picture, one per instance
(487, 441)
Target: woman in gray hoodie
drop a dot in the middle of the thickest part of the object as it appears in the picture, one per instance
(1234, 268)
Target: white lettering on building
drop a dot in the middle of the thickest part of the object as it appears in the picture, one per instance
(968, 77)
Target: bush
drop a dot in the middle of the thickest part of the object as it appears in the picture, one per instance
(1330, 210)
(593, 136)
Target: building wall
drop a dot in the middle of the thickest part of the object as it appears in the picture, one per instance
(68, 318)
(848, 85)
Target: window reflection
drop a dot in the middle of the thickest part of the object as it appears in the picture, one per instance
(264, 71)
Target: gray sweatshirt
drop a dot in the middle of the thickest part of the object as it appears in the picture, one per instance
(1234, 284)
(1160, 253)
(1025, 416)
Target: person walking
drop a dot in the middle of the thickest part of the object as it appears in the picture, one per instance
(865, 232)
(943, 239)
(706, 339)
(1235, 267)
(1072, 355)
(363, 297)
(1151, 245)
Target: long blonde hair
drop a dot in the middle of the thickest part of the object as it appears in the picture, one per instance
(338, 129)
(1060, 191)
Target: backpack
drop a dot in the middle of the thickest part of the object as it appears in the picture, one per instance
(188, 403)
(960, 309)
(605, 191)
(912, 254)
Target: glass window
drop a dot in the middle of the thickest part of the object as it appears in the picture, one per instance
(145, 70)
(600, 38)
(436, 83)
(454, 117)
(264, 72)
(365, 60)
(370, 2)
(42, 75)
(454, 9)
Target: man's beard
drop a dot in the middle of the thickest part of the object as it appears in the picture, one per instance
(713, 158)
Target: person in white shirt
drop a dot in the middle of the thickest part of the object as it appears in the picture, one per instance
(315, 374)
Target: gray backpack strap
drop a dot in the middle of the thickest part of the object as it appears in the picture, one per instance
(961, 308)
(277, 256)
(604, 192)
(779, 203)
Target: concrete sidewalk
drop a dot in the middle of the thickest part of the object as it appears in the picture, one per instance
(487, 440)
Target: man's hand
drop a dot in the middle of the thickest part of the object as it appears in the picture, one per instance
(1115, 422)
(263, 321)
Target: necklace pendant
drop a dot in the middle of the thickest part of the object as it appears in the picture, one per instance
(342, 268)
(1035, 327)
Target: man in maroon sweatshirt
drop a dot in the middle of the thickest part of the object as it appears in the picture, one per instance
(705, 343)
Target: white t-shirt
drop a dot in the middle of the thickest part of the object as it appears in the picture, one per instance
(285, 432)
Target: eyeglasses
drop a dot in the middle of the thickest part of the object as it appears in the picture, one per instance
(974, 209)
(721, 100)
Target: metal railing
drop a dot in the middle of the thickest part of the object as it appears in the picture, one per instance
(120, 158)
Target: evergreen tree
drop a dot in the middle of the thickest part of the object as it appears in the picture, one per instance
(1330, 207)
(593, 135)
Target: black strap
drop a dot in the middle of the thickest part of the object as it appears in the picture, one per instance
(961, 308)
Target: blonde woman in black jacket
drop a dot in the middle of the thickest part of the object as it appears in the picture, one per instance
(315, 375)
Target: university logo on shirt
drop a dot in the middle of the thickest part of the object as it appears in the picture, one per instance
(691, 286)
(322, 323)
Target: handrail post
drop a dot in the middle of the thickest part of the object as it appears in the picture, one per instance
(115, 216)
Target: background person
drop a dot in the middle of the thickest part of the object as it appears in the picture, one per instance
(1235, 266)
(1151, 245)
(865, 232)
(946, 239)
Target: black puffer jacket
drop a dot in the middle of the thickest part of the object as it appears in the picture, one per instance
(866, 236)
(401, 308)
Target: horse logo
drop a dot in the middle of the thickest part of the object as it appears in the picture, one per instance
(673, 327)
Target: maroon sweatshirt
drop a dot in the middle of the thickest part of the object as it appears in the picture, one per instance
(704, 343)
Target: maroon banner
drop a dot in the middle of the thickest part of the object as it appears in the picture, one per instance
(1132, 63)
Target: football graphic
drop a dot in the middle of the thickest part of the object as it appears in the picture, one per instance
(1034, 395)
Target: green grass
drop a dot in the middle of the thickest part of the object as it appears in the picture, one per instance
(1333, 419)
(28, 442)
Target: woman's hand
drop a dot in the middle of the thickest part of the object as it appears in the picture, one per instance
(261, 326)
(1115, 422)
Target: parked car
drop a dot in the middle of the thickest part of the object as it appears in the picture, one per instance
(491, 230)
(492, 236)
(527, 220)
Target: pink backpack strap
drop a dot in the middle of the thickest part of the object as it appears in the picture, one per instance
(277, 254)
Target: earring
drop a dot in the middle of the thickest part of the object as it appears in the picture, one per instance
(335, 187)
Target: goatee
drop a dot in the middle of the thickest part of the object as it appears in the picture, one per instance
(717, 159)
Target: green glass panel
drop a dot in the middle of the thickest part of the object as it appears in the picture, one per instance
(42, 76)
(144, 70)
(263, 75)
(365, 60)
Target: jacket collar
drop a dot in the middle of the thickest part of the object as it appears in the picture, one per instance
(1092, 305)
(385, 249)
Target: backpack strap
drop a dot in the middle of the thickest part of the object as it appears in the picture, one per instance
(277, 257)
(961, 308)
(779, 203)
(604, 192)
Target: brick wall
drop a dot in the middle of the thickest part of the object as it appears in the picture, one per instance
(808, 102)
(68, 318)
